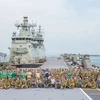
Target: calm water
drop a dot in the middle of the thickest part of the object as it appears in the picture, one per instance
(95, 61)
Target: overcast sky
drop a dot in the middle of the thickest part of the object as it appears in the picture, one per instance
(71, 26)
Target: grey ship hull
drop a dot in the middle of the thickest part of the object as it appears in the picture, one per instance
(36, 65)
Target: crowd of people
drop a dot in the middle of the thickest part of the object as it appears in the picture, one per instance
(49, 78)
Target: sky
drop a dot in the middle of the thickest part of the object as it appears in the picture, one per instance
(69, 26)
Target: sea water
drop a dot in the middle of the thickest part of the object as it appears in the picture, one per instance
(95, 61)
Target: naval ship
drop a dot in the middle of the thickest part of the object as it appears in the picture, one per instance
(27, 48)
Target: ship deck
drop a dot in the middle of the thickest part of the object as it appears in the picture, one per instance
(54, 63)
(50, 93)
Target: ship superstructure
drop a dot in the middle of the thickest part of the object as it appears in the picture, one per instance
(27, 46)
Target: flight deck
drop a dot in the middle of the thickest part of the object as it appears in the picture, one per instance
(50, 93)
(54, 63)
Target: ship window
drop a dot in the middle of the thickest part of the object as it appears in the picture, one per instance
(29, 39)
(13, 38)
(16, 38)
(26, 38)
(23, 38)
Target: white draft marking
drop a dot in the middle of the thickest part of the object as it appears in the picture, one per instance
(86, 95)
(98, 89)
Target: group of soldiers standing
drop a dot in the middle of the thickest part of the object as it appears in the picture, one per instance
(49, 78)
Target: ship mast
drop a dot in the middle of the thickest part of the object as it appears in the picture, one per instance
(25, 27)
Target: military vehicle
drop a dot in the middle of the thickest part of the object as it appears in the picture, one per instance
(27, 46)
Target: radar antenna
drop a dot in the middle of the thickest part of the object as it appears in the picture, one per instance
(17, 24)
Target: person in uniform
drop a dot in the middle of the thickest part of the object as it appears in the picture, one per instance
(43, 82)
(47, 82)
(80, 83)
(71, 83)
(18, 83)
(93, 84)
(98, 81)
(10, 74)
(69, 74)
(4, 75)
(34, 83)
(29, 75)
(19, 74)
(38, 82)
(76, 81)
(85, 82)
(89, 84)
(12, 83)
(0, 74)
(1, 83)
(63, 83)
(6, 84)
(24, 84)
(53, 81)
(29, 83)
(57, 82)
(14, 74)
(37, 75)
